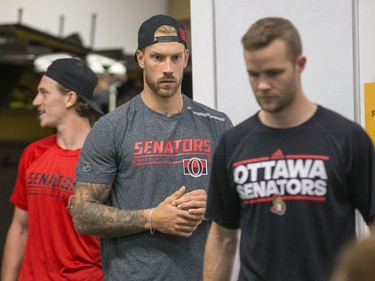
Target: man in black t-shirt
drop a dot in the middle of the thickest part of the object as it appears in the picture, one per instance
(290, 177)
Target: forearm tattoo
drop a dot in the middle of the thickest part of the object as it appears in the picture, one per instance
(91, 215)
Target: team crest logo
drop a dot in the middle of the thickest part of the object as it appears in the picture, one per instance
(182, 34)
(278, 205)
(86, 167)
(195, 167)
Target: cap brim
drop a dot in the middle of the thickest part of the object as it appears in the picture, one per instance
(93, 105)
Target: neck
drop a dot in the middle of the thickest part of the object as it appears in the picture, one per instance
(72, 134)
(296, 114)
(168, 106)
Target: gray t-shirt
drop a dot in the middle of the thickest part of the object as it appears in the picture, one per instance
(147, 156)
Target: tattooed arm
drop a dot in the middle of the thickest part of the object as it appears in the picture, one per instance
(91, 216)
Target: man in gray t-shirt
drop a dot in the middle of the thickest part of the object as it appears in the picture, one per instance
(144, 169)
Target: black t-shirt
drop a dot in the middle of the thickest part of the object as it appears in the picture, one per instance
(293, 193)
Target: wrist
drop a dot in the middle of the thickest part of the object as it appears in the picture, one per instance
(150, 225)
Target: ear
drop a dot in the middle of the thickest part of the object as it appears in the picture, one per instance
(140, 58)
(71, 99)
(186, 57)
(301, 62)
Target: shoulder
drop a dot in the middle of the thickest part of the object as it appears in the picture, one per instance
(201, 110)
(347, 133)
(37, 148)
(244, 128)
(233, 137)
(329, 116)
(120, 113)
(336, 123)
(43, 143)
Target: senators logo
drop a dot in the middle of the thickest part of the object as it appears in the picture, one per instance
(195, 167)
(278, 206)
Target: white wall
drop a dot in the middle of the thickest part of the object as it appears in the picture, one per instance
(203, 52)
(326, 31)
(116, 26)
(366, 23)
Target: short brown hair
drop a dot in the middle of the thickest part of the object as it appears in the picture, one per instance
(266, 30)
(82, 108)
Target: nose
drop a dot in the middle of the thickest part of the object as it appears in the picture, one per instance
(167, 66)
(37, 100)
(263, 84)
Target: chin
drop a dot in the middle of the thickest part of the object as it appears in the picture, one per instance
(45, 126)
(166, 94)
(271, 108)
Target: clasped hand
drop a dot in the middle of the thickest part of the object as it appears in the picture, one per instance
(181, 213)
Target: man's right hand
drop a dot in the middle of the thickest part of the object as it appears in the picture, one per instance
(169, 219)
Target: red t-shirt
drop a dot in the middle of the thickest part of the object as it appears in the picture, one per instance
(54, 250)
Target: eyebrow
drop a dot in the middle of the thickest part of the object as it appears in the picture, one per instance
(42, 89)
(166, 53)
(274, 69)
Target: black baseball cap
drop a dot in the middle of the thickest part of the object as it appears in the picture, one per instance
(147, 29)
(76, 76)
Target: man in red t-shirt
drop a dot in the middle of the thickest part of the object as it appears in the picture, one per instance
(41, 243)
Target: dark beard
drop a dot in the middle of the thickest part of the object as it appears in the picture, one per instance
(164, 93)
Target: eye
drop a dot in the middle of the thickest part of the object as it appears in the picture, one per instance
(43, 93)
(253, 74)
(274, 73)
(156, 57)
